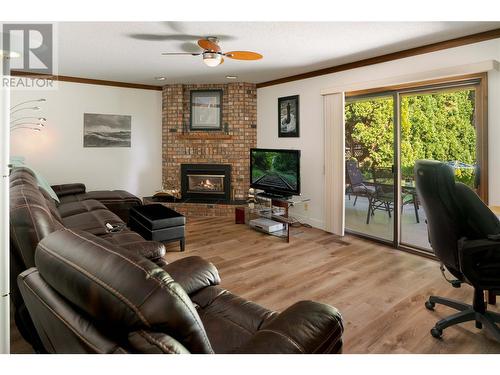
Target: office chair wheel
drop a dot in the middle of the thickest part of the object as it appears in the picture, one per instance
(429, 305)
(436, 332)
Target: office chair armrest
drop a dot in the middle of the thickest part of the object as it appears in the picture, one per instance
(480, 262)
(484, 247)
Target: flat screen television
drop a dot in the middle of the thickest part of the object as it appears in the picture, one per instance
(275, 171)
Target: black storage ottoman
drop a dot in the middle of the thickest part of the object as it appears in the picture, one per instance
(156, 222)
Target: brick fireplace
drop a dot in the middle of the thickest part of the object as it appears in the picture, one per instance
(229, 146)
(210, 182)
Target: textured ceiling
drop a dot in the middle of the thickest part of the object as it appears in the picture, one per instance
(131, 51)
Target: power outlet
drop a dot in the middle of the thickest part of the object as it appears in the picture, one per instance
(306, 206)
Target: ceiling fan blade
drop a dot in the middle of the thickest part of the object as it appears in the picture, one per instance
(208, 45)
(181, 53)
(243, 55)
(164, 37)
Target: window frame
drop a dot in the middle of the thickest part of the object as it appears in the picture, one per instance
(478, 81)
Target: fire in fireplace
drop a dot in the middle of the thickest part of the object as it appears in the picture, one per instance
(208, 182)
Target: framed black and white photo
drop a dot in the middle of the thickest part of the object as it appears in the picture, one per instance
(106, 130)
(206, 110)
(288, 116)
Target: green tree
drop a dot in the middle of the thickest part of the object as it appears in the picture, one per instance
(261, 160)
(284, 162)
(436, 126)
(369, 123)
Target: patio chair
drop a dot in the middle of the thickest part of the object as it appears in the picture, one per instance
(357, 184)
(382, 197)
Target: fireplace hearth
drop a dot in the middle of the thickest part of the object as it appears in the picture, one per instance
(210, 182)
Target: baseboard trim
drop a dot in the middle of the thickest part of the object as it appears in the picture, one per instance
(316, 223)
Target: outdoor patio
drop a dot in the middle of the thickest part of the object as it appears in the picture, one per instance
(381, 226)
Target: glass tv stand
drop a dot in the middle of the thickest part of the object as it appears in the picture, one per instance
(276, 209)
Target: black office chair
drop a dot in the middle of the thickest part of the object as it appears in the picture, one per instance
(465, 236)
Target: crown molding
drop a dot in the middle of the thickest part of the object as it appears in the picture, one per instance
(88, 81)
(451, 43)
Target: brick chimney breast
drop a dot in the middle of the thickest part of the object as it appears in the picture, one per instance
(230, 145)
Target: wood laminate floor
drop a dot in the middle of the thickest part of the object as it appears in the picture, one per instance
(380, 291)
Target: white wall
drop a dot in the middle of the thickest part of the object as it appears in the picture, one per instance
(57, 152)
(311, 114)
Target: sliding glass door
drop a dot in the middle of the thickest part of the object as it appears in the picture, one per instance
(437, 124)
(369, 155)
(386, 132)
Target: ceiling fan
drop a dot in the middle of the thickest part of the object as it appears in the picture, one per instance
(212, 55)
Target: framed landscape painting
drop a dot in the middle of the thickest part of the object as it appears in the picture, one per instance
(206, 110)
(106, 130)
(288, 116)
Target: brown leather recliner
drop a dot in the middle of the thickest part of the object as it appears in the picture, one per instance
(88, 296)
(34, 215)
(117, 201)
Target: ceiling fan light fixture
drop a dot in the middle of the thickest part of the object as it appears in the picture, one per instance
(212, 59)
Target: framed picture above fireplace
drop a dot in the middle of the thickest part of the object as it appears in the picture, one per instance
(206, 110)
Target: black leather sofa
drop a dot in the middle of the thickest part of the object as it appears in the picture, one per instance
(83, 289)
(34, 214)
(88, 296)
(117, 201)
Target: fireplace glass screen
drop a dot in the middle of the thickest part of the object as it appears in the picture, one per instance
(204, 183)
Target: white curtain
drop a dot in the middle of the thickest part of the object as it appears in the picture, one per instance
(334, 162)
